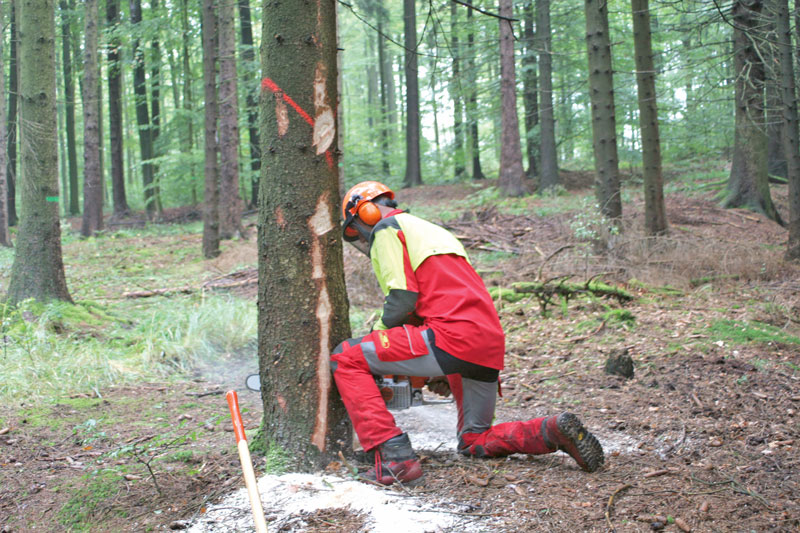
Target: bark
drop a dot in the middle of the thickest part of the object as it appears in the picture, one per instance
(155, 101)
(38, 269)
(13, 91)
(791, 127)
(143, 115)
(459, 155)
(302, 303)
(655, 217)
(5, 237)
(530, 88)
(385, 74)
(120, 200)
(601, 88)
(230, 201)
(69, 103)
(187, 133)
(92, 177)
(472, 101)
(511, 172)
(251, 99)
(413, 175)
(748, 184)
(549, 151)
(211, 194)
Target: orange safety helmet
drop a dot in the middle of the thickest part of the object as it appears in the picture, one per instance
(357, 203)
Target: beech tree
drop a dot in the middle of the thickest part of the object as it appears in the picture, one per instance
(211, 170)
(302, 303)
(120, 200)
(38, 269)
(65, 10)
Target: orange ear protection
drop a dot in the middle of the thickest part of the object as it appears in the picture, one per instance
(369, 213)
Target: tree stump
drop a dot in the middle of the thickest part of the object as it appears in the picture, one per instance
(620, 363)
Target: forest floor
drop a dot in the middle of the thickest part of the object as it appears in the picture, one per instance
(703, 437)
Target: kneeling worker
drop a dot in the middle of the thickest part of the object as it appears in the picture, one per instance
(438, 320)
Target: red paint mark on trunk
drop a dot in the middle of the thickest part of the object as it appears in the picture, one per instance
(267, 83)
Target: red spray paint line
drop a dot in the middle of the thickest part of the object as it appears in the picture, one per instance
(247, 463)
(267, 83)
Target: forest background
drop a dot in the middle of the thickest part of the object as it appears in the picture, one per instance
(528, 110)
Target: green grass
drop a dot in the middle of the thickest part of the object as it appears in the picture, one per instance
(97, 487)
(745, 332)
(54, 350)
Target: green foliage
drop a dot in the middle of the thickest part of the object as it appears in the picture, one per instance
(621, 317)
(745, 332)
(589, 224)
(505, 294)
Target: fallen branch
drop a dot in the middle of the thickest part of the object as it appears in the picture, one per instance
(610, 504)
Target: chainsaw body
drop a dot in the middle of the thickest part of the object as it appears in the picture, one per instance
(401, 392)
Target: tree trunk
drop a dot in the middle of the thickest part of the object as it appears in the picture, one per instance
(790, 130)
(13, 91)
(187, 132)
(5, 237)
(38, 269)
(120, 199)
(251, 98)
(155, 102)
(302, 303)
(385, 73)
(511, 172)
(748, 184)
(69, 99)
(530, 88)
(92, 178)
(549, 151)
(211, 193)
(230, 201)
(472, 101)
(413, 175)
(601, 89)
(143, 115)
(655, 216)
(459, 155)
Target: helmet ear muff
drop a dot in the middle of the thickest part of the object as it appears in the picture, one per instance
(369, 213)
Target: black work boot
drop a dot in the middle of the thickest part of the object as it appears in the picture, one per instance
(395, 460)
(566, 433)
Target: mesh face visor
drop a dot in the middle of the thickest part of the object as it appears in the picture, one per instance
(362, 241)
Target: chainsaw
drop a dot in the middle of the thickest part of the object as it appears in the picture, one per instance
(399, 392)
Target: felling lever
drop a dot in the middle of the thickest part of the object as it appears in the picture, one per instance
(247, 463)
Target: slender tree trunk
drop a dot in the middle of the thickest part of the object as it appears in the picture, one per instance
(655, 216)
(601, 88)
(211, 196)
(120, 200)
(511, 172)
(251, 98)
(385, 73)
(155, 102)
(69, 97)
(472, 101)
(301, 275)
(549, 151)
(230, 201)
(13, 91)
(38, 269)
(187, 133)
(456, 93)
(5, 237)
(413, 175)
(530, 88)
(92, 179)
(748, 184)
(143, 115)
(790, 120)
